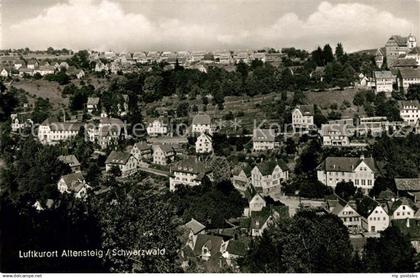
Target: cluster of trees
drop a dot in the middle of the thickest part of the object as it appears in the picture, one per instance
(60, 77)
(32, 171)
(413, 92)
(399, 154)
(8, 102)
(78, 95)
(377, 105)
(210, 204)
(319, 242)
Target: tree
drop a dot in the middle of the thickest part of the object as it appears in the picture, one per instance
(221, 168)
(392, 252)
(327, 54)
(182, 109)
(152, 88)
(80, 60)
(318, 57)
(359, 99)
(413, 92)
(8, 102)
(339, 52)
(345, 189)
(138, 220)
(300, 245)
(208, 203)
(313, 189)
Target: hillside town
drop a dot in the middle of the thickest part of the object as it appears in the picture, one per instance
(227, 159)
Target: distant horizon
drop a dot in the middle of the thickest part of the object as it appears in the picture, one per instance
(130, 25)
(188, 50)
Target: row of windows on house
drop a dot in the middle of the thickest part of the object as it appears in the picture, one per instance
(350, 219)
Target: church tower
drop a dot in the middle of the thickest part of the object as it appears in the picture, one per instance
(411, 41)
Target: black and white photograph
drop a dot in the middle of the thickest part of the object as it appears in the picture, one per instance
(209, 136)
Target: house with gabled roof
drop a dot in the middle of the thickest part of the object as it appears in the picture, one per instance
(348, 214)
(410, 111)
(157, 127)
(268, 175)
(241, 177)
(32, 64)
(263, 139)
(257, 203)
(4, 72)
(397, 45)
(20, 121)
(204, 144)
(403, 208)
(201, 123)
(360, 170)
(378, 219)
(335, 135)
(73, 183)
(142, 151)
(195, 227)
(189, 171)
(260, 220)
(408, 76)
(384, 81)
(303, 116)
(235, 249)
(72, 161)
(126, 162)
(92, 104)
(163, 154)
(51, 132)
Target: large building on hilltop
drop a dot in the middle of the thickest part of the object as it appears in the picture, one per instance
(398, 45)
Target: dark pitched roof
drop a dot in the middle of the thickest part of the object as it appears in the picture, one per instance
(213, 243)
(71, 160)
(267, 166)
(345, 164)
(408, 73)
(385, 74)
(194, 226)
(191, 165)
(259, 218)
(201, 119)
(263, 135)
(400, 40)
(306, 110)
(408, 184)
(165, 148)
(400, 202)
(65, 126)
(143, 146)
(410, 62)
(116, 157)
(74, 181)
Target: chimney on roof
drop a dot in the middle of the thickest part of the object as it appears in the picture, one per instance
(362, 157)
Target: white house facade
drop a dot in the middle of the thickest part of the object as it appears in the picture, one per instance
(269, 175)
(361, 171)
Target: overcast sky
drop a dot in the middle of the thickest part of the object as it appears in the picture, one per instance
(128, 25)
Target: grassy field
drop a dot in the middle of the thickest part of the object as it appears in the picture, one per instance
(44, 89)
